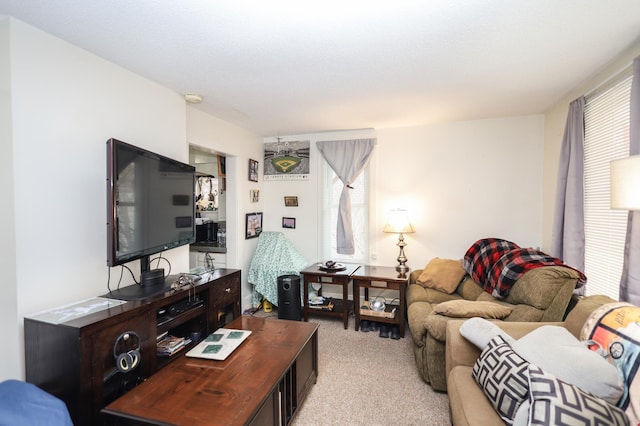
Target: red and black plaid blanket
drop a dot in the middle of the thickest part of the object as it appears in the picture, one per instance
(497, 264)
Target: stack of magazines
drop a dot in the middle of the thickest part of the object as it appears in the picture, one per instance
(168, 345)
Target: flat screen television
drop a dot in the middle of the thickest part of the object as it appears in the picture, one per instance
(150, 208)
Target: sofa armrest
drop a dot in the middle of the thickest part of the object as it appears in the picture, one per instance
(459, 351)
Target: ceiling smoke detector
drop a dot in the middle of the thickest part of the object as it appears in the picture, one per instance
(192, 98)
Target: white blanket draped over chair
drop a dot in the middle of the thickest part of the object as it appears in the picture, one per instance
(274, 256)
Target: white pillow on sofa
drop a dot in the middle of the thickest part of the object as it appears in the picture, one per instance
(479, 331)
(556, 351)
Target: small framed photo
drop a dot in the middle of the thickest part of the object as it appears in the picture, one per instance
(253, 170)
(253, 226)
(254, 195)
(289, 222)
(291, 201)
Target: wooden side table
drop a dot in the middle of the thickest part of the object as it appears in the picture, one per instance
(380, 277)
(313, 274)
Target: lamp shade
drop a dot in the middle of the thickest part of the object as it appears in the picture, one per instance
(398, 222)
(625, 183)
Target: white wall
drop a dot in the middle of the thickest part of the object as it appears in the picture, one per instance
(65, 104)
(239, 146)
(459, 182)
(9, 324)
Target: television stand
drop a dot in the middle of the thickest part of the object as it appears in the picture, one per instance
(74, 357)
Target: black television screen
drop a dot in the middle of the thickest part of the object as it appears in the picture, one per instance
(150, 206)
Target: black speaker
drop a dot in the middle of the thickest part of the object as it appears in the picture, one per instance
(289, 297)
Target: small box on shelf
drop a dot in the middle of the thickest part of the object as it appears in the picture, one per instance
(389, 311)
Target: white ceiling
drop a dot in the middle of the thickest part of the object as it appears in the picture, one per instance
(294, 66)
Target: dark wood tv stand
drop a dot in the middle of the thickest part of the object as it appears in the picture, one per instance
(73, 359)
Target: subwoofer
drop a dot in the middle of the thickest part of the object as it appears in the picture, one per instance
(289, 297)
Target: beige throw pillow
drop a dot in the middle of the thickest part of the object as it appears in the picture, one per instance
(442, 274)
(472, 308)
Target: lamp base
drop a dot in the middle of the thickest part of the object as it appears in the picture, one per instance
(403, 269)
(402, 259)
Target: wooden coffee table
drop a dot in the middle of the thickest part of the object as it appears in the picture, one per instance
(263, 382)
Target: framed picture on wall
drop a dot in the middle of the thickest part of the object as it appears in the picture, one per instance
(253, 225)
(254, 195)
(289, 222)
(291, 201)
(253, 170)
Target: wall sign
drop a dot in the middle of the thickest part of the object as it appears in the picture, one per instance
(286, 160)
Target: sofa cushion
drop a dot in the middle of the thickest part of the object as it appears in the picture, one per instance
(502, 375)
(436, 325)
(416, 315)
(472, 308)
(417, 293)
(486, 297)
(558, 352)
(442, 274)
(538, 287)
(552, 398)
(525, 313)
(467, 402)
(469, 289)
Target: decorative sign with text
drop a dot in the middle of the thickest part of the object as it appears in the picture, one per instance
(286, 160)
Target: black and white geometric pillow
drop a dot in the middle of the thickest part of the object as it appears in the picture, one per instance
(503, 376)
(554, 402)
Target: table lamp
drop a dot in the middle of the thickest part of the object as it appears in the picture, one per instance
(398, 223)
(625, 183)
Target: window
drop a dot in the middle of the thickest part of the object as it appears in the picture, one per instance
(331, 190)
(606, 120)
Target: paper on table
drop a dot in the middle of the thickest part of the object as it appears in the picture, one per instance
(219, 344)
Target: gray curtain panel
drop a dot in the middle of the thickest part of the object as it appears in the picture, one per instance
(630, 280)
(347, 158)
(568, 224)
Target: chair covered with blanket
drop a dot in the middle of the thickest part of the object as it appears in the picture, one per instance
(274, 256)
(496, 280)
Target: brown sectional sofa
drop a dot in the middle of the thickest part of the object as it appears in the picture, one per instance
(468, 404)
(540, 295)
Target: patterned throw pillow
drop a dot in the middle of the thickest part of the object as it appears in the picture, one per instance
(554, 402)
(503, 376)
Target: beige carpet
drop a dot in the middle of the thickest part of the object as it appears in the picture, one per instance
(367, 380)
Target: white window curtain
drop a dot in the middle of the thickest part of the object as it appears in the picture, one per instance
(347, 158)
(630, 280)
(568, 227)
(331, 190)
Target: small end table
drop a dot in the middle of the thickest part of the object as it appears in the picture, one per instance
(380, 277)
(313, 274)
